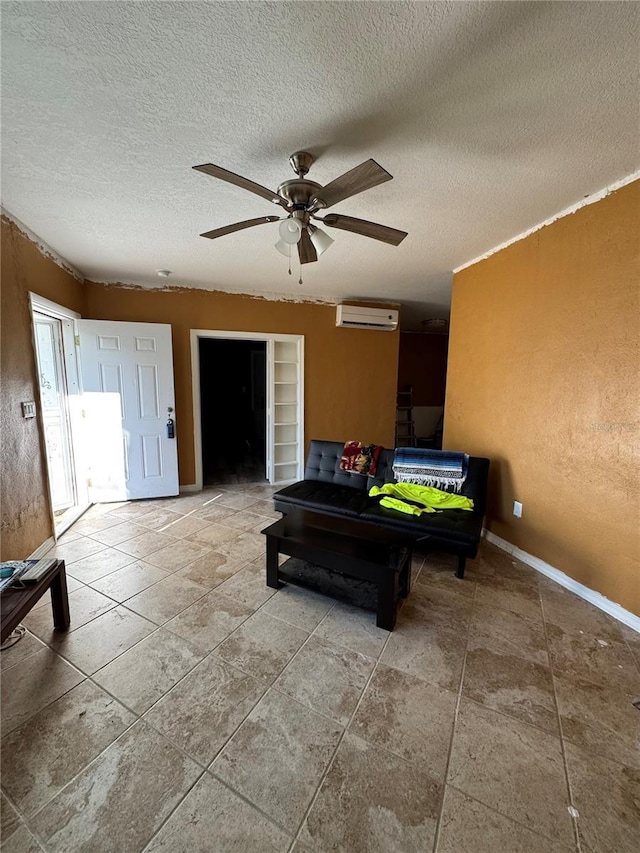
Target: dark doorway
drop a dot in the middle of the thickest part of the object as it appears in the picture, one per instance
(233, 387)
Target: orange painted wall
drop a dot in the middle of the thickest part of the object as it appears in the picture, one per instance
(350, 374)
(26, 516)
(543, 379)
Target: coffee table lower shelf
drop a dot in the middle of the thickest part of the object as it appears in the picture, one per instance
(347, 547)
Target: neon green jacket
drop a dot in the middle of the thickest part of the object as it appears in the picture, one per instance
(432, 500)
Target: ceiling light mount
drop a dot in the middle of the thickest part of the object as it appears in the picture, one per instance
(301, 162)
(163, 273)
(435, 325)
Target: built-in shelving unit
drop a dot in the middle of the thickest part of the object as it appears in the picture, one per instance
(287, 402)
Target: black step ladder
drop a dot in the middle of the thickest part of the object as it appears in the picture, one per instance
(405, 429)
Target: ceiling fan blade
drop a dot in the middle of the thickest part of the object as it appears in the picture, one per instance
(306, 249)
(363, 177)
(238, 226)
(362, 226)
(239, 181)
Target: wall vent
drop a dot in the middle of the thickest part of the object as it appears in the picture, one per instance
(357, 317)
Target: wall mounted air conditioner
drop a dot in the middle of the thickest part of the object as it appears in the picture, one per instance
(356, 317)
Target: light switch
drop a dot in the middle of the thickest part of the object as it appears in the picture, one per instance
(29, 409)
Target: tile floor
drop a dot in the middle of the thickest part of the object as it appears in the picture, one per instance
(191, 708)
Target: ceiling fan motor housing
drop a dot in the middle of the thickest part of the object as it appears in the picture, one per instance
(298, 192)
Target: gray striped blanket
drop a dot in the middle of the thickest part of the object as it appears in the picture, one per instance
(442, 469)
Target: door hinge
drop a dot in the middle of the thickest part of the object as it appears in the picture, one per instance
(76, 338)
(89, 482)
(83, 413)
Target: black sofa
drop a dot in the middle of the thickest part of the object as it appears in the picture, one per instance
(329, 490)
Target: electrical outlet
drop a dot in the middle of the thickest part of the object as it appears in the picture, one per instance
(29, 409)
(517, 509)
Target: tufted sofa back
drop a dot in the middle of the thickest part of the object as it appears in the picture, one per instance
(323, 464)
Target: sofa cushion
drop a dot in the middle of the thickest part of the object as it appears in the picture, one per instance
(329, 498)
(455, 525)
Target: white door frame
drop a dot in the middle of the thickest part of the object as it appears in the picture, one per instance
(265, 337)
(74, 386)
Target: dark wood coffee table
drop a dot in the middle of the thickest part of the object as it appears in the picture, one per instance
(349, 547)
(16, 602)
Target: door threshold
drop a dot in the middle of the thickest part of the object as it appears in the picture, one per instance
(69, 517)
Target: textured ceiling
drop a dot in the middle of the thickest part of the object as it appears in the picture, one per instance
(490, 116)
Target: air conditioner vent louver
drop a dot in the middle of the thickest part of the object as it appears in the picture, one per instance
(358, 317)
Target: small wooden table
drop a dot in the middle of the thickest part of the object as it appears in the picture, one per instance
(16, 602)
(349, 547)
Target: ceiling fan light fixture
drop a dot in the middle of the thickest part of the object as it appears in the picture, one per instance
(290, 230)
(284, 248)
(320, 239)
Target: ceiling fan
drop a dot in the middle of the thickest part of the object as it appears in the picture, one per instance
(302, 199)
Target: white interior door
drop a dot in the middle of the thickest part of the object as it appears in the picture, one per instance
(128, 397)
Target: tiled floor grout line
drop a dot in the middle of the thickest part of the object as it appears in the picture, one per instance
(212, 772)
(242, 796)
(335, 751)
(635, 658)
(207, 768)
(173, 810)
(511, 819)
(436, 837)
(507, 716)
(144, 589)
(76, 666)
(28, 820)
(565, 763)
(99, 755)
(298, 650)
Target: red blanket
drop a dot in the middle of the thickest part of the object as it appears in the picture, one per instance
(360, 458)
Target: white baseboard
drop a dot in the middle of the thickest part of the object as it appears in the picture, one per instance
(41, 550)
(600, 601)
(190, 487)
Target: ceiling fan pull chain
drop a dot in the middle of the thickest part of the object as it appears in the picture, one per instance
(300, 267)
